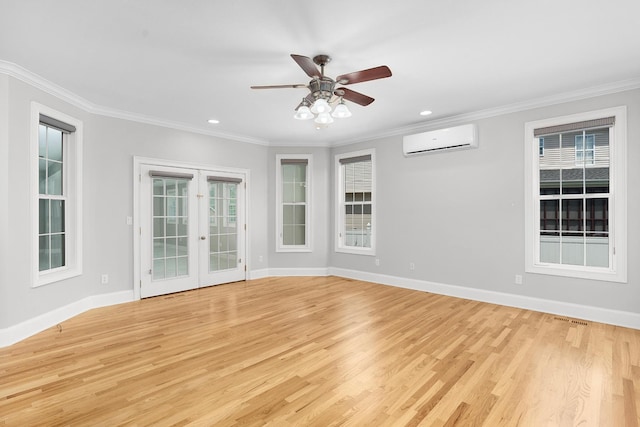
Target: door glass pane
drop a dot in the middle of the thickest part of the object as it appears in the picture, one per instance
(158, 269)
(223, 226)
(183, 266)
(170, 228)
(170, 268)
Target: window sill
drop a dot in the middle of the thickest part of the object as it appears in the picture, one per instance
(294, 250)
(356, 251)
(42, 279)
(602, 274)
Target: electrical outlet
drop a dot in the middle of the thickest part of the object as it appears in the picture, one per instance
(377, 262)
(412, 266)
(260, 258)
(518, 279)
(104, 279)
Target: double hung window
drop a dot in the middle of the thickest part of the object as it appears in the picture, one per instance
(355, 190)
(576, 196)
(56, 147)
(293, 195)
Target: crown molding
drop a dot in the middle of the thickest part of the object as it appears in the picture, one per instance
(39, 82)
(20, 73)
(577, 95)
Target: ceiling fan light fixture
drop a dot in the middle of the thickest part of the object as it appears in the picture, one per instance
(324, 118)
(323, 94)
(320, 106)
(341, 111)
(303, 113)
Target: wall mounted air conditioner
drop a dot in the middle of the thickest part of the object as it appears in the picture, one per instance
(455, 138)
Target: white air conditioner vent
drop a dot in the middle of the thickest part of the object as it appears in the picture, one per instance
(455, 138)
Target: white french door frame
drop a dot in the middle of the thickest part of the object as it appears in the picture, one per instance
(138, 164)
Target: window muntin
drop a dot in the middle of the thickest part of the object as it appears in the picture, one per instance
(356, 207)
(56, 194)
(293, 203)
(578, 227)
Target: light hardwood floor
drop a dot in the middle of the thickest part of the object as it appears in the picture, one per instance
(320, 351)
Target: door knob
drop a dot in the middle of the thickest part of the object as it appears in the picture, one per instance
(203, 238)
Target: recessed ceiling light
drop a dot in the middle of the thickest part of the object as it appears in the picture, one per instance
(425, 112)
(213, 121)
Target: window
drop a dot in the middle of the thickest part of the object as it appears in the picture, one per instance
(576, 196)
(56, 144)
(293, 195)
(355, 191)
(541, 145)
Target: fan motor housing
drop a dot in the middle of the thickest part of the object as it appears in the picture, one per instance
(322, 87)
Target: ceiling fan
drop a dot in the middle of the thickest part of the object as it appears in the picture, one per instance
(323, 91)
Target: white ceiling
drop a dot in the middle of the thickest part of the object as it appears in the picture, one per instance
(183, 62)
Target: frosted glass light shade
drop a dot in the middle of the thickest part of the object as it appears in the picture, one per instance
(324, 118)
(303, 113)
(341, 111)
(320, 106)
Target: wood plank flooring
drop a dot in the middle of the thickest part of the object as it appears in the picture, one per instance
(320, 351)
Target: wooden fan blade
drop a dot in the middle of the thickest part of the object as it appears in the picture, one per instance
(307, 65)
(300, 86)
(365, 75)
(353, 96)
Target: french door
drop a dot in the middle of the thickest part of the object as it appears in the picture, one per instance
(192, 229)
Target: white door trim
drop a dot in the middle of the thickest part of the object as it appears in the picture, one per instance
(137, 165)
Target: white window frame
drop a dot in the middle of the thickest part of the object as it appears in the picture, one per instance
(617, 270)
(72, 190)
(280, 246)
(340, 231)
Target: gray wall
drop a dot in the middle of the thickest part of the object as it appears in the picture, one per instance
(459, 216)
(109, 147)
(4, 196)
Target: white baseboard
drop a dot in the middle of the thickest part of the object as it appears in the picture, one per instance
(30, 327)
(258, 274)
(15, 333)
(317, 271)
(594, 314)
